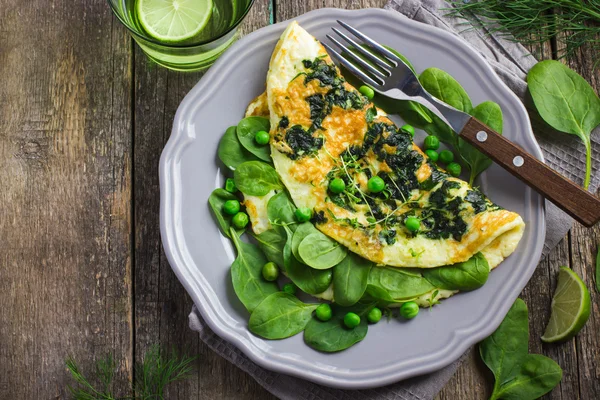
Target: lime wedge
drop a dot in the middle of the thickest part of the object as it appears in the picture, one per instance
(570, 307)
(173, 20)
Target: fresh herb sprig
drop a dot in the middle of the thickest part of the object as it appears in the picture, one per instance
(572, 22)
(152, 376)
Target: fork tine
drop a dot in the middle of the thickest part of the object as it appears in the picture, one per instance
(380, 62)
(361, 75)
(368, 67)
(373, 43)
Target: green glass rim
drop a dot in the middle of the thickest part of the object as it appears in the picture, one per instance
(138, 34)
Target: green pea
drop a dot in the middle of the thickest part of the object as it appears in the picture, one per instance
(408, 129)
(323, 312)
(432, 154)
(412, 224)
(230, 186)
(240, 220)
(375, 184)
(446, 156)
(303, 214)
(231, 207)
(374, 315)
(262, 137)
(454, 169)
(270, 271)
(351, 320)
(367, 91)
(431, 143)
(409, 310)
(289, 288)
(337, 185)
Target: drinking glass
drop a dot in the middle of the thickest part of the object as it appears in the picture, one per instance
(197, 54)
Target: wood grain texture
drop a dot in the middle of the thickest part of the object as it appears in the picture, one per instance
(65, 169)
(161, 304)
(83, 119)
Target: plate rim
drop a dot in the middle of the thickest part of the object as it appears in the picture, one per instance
(200, 290)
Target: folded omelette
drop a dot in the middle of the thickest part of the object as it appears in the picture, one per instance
(322, 128)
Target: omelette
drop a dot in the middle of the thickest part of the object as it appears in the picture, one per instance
(322, 128)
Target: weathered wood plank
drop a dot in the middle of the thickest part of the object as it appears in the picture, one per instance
(286, 9)
(161, 303)
(585, 347)
(65, 162)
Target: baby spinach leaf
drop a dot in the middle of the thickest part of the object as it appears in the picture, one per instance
(490, 114)
(246, 274)
(302, 231)
(230, 150)
(332, 336)
(271, 243)
(255, 178)
(216, 200)
(320, 252)
(518, 374)
(280, 209)
(279, 316)
(566, 102)
(538, 375)
(246, 130)
(350, 278)
(309, 280)
(396, 283)
(444, 87)
(469, 275)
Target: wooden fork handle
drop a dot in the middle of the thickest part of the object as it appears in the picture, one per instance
(570, 197)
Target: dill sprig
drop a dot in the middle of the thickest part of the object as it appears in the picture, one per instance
(573, 23)
(152, 376)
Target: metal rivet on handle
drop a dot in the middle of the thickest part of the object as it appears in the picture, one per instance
(481, 136)
(518, 161)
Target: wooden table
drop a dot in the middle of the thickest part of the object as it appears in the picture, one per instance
(83, 119)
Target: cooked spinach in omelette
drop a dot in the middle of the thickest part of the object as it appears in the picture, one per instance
(344, 205)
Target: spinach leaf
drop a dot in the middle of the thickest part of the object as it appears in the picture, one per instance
(246, 274)
(320, 252)
(444, 87)
(279, 316)
(465, 276)
(302, 231)
(332, 336)
(216, 200)
(386, 283)
(309, 280)
(231, 152)
(566, 102)
(255, 178)
(518, 374)
(271, 243)
(350, 279)
(246, 130)
(280, 209)
(490, 114)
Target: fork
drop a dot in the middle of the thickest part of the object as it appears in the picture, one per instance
(394, 79)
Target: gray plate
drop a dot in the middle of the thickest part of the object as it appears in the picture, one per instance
(201, 257)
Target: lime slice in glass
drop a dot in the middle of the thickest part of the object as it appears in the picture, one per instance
(174, 21)
(570, 307)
